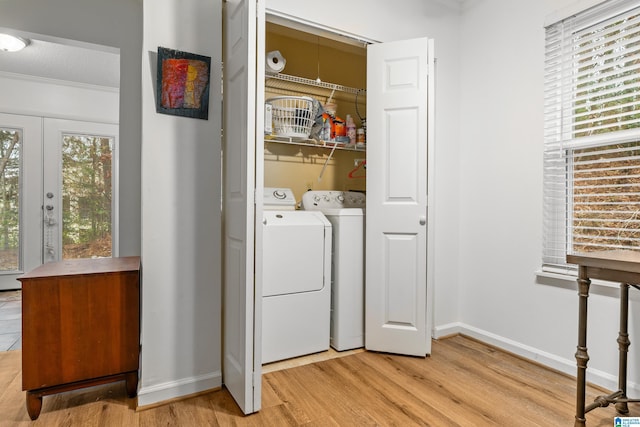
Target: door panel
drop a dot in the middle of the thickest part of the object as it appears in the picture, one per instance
(400, 254)
(20, 192)
(79, 190)
(396, 232)
(402, 166)
(239, 144)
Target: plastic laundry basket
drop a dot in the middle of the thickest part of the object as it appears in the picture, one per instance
(293, 116)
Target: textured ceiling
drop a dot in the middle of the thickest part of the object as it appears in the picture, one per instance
(61, 61)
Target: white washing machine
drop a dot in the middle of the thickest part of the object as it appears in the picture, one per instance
(345, 211)
(296, 292)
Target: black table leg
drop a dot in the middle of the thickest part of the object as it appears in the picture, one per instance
(623, 347)
(582, 357)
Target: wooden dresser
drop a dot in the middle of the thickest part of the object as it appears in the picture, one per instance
(80, 326)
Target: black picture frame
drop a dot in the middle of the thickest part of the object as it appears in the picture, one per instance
(182, 87)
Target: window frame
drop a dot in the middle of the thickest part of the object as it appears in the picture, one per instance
(560, 111)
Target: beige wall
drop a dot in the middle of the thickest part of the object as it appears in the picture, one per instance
(299, 167)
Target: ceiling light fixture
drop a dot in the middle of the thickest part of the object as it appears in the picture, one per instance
(9, 43)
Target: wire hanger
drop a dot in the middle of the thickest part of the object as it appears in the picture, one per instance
(362, 166)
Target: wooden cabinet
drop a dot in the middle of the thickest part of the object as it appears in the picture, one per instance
(80, 326)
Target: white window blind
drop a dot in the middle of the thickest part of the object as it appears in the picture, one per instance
(592, 133)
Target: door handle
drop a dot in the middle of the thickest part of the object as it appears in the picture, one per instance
(423, 220)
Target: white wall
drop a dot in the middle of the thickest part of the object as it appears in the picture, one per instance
(501, 144)
(181, 243)
(33, 96)
(115, 23)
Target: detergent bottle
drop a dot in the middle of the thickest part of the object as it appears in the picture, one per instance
(351, 130)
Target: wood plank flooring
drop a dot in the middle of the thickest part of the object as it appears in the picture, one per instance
(463, 383)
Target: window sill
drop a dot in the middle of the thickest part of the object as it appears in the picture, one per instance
(568, 281)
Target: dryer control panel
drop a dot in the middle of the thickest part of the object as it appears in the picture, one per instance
(279, 198)
(321, 200)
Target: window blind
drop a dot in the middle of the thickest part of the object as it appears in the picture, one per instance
(592, 133)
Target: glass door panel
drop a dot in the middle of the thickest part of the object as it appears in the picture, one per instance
(20, 192)
(86, 196)
(10, 171)
(79, 185)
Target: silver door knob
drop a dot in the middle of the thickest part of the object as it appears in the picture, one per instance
(423, 220)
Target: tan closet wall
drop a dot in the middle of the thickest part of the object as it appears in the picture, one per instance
(308, 56)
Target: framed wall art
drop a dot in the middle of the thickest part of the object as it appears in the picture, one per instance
(183, 84)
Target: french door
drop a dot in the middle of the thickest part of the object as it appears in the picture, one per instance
(57, 192)
(20, 197)
(79, 189)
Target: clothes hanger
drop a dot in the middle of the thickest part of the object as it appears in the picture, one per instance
(362, 166)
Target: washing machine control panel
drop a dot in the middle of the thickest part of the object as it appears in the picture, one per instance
(319, 200)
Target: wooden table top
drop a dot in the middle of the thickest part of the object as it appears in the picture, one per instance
(621, 260)
(76, 267)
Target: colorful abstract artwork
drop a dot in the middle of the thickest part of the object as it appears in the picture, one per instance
(183, 84)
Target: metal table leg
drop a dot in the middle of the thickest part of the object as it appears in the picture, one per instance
(582, 357)
(623, 348)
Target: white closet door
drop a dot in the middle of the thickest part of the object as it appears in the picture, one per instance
(239, 123)
(396, 221)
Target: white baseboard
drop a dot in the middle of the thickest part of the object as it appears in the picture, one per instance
(447, 330)
(566, 366)
(155, 394)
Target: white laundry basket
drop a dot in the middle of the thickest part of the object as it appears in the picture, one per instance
(293, 116)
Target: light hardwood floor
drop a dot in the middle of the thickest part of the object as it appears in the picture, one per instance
(463, 383)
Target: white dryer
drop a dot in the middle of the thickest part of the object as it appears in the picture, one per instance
(345, 211)
(296, 292)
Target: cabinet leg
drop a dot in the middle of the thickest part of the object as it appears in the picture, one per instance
(131, 383)
(34, 405)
